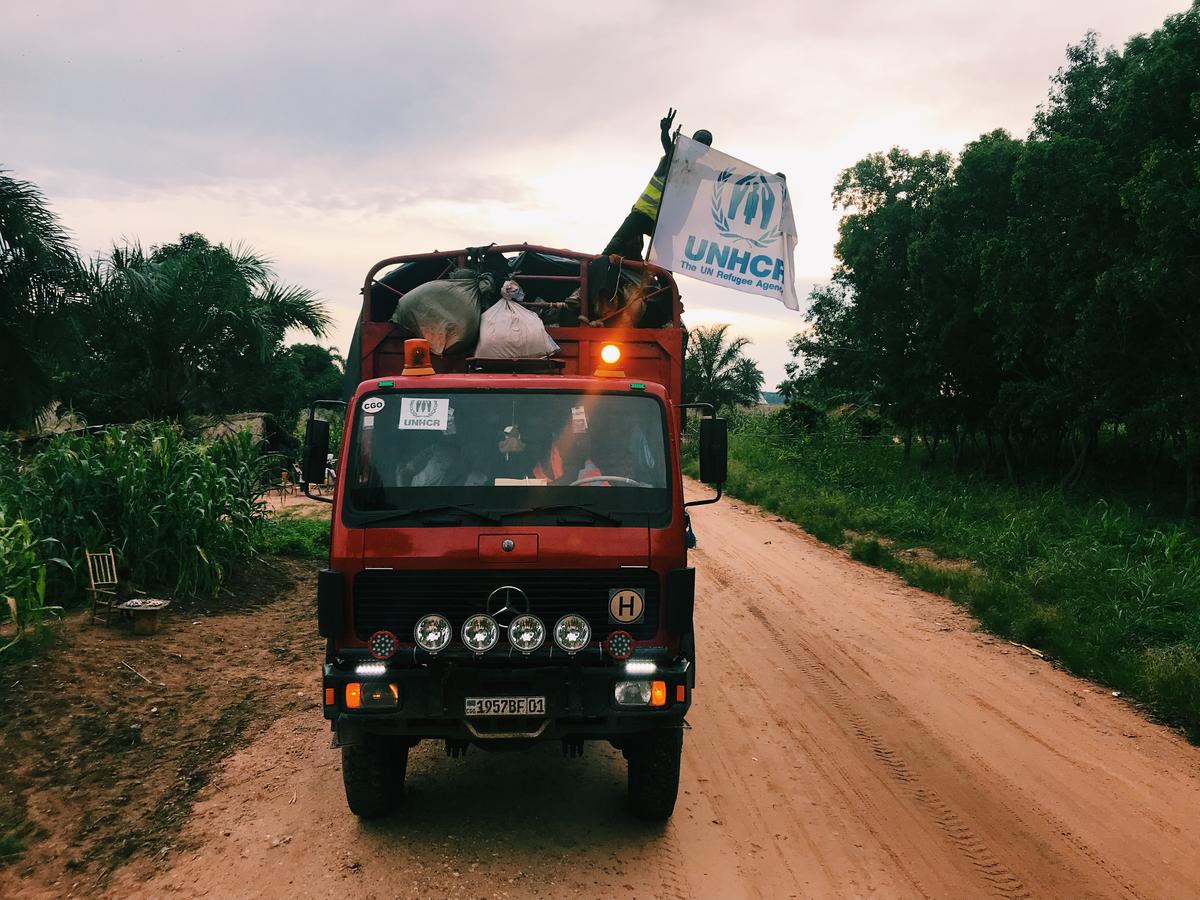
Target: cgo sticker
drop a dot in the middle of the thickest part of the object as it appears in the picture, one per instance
(372, 405)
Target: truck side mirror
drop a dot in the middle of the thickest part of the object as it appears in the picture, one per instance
(316, 450)
(714, 451)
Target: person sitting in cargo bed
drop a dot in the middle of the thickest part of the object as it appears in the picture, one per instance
(627, 242)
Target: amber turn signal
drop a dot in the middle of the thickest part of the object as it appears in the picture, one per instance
(658, 693)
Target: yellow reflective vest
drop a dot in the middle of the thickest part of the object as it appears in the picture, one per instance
(651, 197)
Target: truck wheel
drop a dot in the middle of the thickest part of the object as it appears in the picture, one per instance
(654, 773)
(373, 773)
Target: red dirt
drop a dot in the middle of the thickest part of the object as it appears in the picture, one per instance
(851, 737)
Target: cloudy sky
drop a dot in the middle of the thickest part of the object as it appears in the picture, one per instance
(331, 135)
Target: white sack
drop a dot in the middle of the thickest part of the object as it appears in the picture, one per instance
(509, 331)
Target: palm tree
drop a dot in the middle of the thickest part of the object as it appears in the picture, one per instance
(716, 371)
(39, 273)
(186, 328)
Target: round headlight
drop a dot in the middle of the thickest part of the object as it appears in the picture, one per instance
(433, 633)
(382, 644)
(572, 633)
(480, 633)
(526, 633)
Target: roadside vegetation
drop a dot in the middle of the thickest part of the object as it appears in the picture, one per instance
(716, 369)
(184, 329)
(172, 339)
(1104, 586)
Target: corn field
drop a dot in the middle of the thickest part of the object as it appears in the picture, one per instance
(179, 513)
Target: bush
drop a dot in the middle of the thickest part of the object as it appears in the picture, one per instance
(871, 552)
(801, 416)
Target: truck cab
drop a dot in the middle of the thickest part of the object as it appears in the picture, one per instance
(508, 558)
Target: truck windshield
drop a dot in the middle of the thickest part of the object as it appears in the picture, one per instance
(453, 457)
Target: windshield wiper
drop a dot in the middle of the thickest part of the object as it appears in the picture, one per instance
(395, 514)
(596, 515)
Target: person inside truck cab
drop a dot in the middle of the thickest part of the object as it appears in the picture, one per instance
(564, 455)
(433, 464)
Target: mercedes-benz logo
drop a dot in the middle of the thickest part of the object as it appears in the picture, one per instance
(511, 600)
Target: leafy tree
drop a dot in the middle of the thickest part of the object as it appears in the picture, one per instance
(717, 371)
(1155, 114)
(189, 327)
(1036, 292)
(830, 363)
(39, 274)
(951, 260)
(294, 377)
(886, 198)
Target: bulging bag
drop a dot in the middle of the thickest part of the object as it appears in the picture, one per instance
(510, 331)
(445, 313)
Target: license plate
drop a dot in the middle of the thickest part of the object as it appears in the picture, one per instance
(506, 706)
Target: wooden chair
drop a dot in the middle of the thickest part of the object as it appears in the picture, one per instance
(284, 486)
(102, 582)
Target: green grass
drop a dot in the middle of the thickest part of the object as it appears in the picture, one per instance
(871, 552)
(15, 829)
(294, 536)
(1107, 589)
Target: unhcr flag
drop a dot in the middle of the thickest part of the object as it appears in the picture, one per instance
(726, 222)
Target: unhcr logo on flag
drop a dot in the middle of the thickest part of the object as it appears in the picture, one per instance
(727, 223)
(748, 214)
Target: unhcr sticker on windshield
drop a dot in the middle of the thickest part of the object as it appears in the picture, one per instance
(424, 414)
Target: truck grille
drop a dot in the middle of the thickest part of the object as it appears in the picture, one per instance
(394, 600)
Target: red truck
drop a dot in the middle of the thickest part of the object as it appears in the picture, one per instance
(508, 558)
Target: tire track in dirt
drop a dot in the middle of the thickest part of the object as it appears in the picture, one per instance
(1000, 879)
(852, 797)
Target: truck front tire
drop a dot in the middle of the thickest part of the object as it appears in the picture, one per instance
(654, 773)
(373, 773)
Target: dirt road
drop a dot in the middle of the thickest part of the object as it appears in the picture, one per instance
(851, 737)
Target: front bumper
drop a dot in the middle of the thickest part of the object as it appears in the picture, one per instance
(430, 701)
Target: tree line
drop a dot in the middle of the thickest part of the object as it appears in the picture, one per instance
(189, 327)
(1035, 302)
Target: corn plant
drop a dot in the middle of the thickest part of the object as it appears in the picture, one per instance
(23, 581)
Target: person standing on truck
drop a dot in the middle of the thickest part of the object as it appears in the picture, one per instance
(627, 242)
